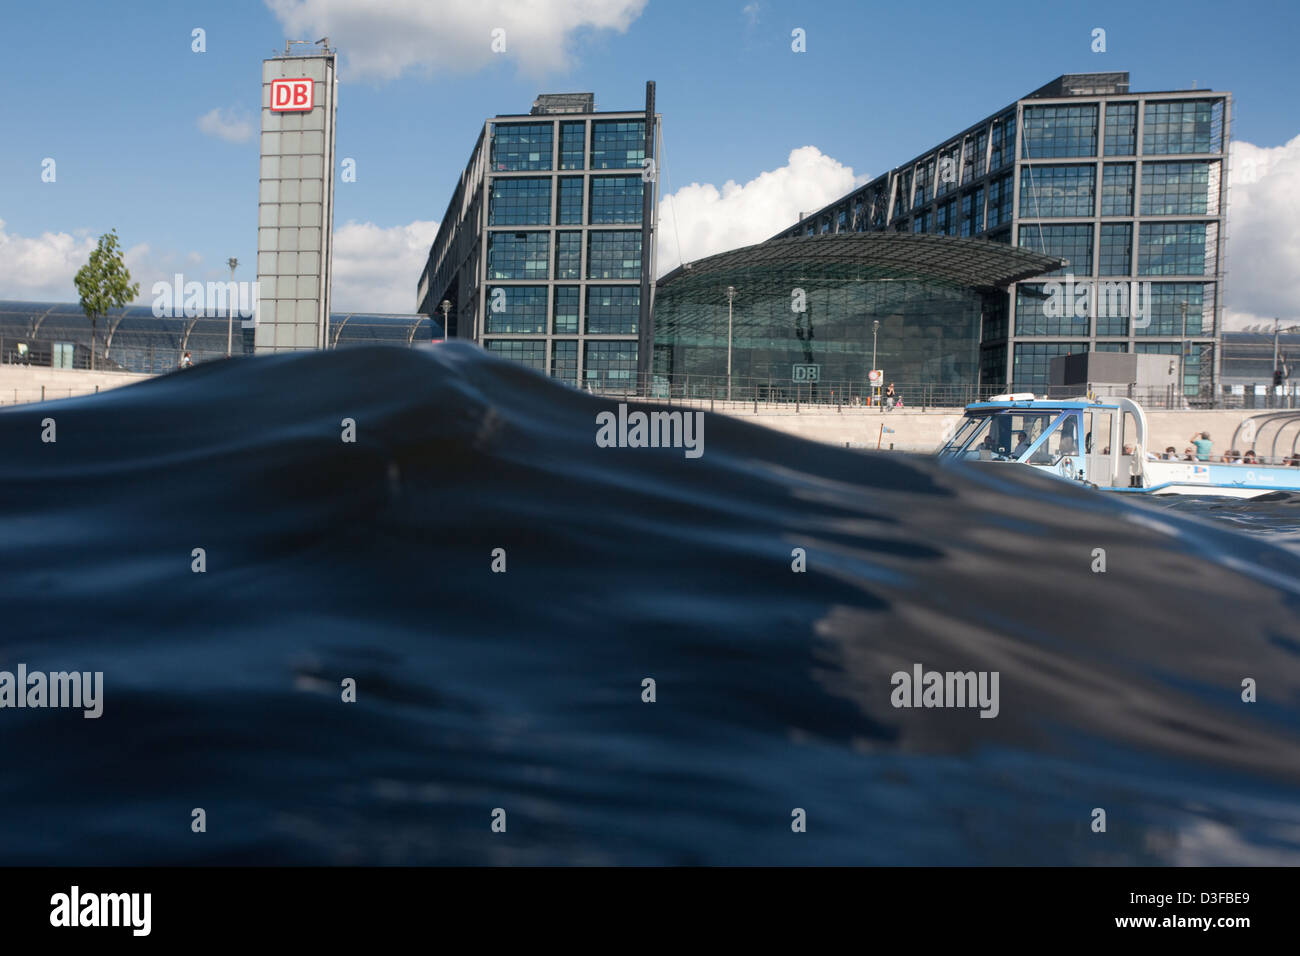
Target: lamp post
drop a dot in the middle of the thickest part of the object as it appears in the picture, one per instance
(731, 295)
(1182, 358)
(875, 330)
(230, 315)
(445, 305)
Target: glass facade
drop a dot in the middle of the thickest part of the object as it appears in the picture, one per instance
(569, 210)
(1121, 129)
(1070, 242)
(516, 309)
(1183, 126)
(1175, 189)
(1057, 191)
(567, 299)
(1160, 155)
(1117, 189)
(573, 145)
(613, 254)
(520, 202)
(1033, 362)
(617, 144)
(616, 199)
(517, 255)
(929, 329)
(1052, 131)
(520, 146)
(564, 360)
(530, 352)
(1032, 318)
(610, 365)
(1173, 248)
(613, 309)
(568, 255)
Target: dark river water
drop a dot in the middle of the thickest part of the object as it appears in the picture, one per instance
(517, 695)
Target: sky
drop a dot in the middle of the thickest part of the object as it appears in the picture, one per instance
(160, 142)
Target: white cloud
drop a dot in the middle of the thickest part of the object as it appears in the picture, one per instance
(751, 11)
(40, 269)
(385, 39)
(377, 269)
(1263, 253)
(710, 220)
(229, 125)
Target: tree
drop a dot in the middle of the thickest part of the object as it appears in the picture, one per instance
(104, 283)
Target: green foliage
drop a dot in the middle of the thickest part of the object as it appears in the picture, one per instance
(104, 283)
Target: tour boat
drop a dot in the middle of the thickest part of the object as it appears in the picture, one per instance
(1114, 453)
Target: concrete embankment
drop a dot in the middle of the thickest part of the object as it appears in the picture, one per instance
(20, 384)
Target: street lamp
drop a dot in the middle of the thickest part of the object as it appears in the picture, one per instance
(445, 305)
(1182, 358)
(731, 295)
(875, 330)
(230, 317)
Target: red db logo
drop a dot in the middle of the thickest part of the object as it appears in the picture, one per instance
(287, 95)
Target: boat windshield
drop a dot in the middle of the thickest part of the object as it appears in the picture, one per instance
(1004, 434)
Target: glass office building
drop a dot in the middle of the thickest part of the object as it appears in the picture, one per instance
(801, 315)
(545, 252)
(1128, 189)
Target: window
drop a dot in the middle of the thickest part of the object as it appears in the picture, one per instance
(617, 144)
(564, 360)
(1163, 309)
(568, 255)
(1175, 248)
(516, 309)
(567, 298)
(1053, 191)
(517, 255)
(1034, 303)
(1003, 146)
(1032, 367)
(613, 254)
(610, 365)
(570, 211)
(1116, 253)
(1121, 128)
(1072, 243)
(1117, 190)
(616, 199)
(1060, 131)
(519, 202)
(1175, 189)
(613, 309)
(1183, 126)
(526, 352)
(1000, 201)
(967, 218)
(573, 145)
(64, 355)
(518, 146)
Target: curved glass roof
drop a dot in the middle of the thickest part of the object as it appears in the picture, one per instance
(135, 339)
(975, 263)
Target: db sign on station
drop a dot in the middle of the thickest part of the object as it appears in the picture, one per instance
(291, 95)
(807, 373)
(875, 376)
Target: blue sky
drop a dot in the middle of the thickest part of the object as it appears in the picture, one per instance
(114, 94)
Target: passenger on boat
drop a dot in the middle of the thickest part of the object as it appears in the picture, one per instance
(1022, 442)
(1203, 446)
(1170, 454)
(1295, 461)
(1231, 456)
(1249, 458)
(1189, 454)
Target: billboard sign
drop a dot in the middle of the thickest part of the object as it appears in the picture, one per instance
(291, 95)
